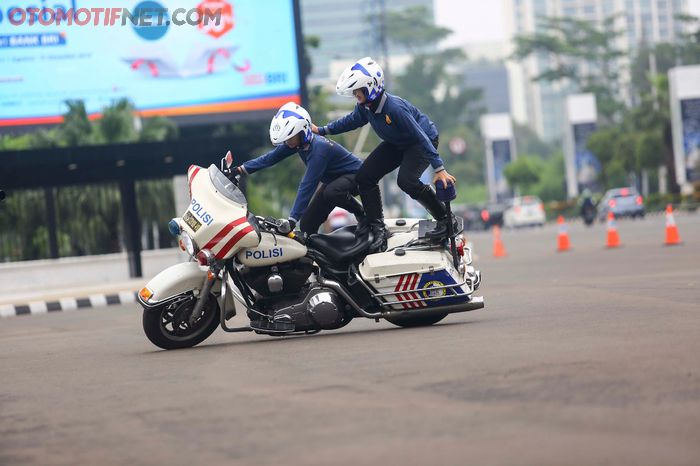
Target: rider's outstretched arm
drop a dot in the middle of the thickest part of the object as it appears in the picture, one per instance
(276, 155)
(315, 168)
(351, 121)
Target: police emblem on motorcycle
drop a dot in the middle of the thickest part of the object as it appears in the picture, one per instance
(438, 293)
(191, 222)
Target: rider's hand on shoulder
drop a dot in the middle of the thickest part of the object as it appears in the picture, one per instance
(445, 178)
(314, 128)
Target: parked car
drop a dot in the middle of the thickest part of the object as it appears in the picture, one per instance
(471, 215)
(492, 214)
(524, 211)
(623, 202)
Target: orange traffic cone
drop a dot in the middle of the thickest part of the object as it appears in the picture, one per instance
(499, 250)
(613, 237)
(563, 238)
(672, 236)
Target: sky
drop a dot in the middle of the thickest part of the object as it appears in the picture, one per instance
(482, 20)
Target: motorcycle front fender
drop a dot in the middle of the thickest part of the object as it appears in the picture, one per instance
(176, 280)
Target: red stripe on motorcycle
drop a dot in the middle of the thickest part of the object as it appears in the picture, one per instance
(191, 179)
(398, 287)
(194, 173)
(414, 295)
(223, 233)
(232, 242)
(407, 296)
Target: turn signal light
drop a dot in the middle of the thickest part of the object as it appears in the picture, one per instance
(145, 293)
(460, 245)
(639, 200)
(205, 257)
(612, 203)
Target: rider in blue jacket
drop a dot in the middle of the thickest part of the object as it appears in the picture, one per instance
(410, 142)
(329, 180)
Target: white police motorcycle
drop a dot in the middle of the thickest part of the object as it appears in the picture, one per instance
(241, 263)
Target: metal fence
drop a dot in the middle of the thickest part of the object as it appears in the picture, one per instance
(88, 220)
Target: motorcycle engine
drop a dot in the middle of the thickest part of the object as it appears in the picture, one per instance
(321, 309)
(281, 279)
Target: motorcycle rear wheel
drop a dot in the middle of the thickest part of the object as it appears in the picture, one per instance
(409, 321)
(168, 326)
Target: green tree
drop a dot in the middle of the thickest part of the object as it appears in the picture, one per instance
(158, 129)
(602, 144)
(76, 129)
(89, 217)
(524, 172)
(528, 142)
(582, 53)
(117, 124)
(413, 29)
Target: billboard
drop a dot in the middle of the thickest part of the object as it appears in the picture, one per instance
(502, 156)
(690, 121)
(582, 166)
(497, 131)
(195, 61)
(684, 84)
(587, 165)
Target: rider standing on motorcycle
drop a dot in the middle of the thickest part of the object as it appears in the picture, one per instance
(326, 162)
(410, 143)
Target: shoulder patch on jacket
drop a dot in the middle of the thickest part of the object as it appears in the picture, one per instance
(388, 120)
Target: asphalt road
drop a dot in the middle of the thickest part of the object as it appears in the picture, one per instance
(585, 357)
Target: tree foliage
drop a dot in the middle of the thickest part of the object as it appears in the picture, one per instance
(413, 28)
(581, 53)
(89, 217)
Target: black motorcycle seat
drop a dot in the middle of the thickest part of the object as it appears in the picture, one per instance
(339, 246)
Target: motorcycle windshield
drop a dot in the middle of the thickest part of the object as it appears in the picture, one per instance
(226, 186)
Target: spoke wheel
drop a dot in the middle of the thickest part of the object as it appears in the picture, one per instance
(169, 326)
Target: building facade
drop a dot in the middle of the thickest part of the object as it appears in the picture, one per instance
(541, 105)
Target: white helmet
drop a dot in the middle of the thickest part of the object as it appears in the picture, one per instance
(290, 120)
(366, 73)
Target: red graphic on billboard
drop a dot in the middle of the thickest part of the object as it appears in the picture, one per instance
(216, 17)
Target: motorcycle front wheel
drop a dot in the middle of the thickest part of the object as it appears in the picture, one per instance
(168, 326)
(409, 321)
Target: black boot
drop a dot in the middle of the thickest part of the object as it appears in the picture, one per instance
(373, 223)
(432, 204)
(353, 206)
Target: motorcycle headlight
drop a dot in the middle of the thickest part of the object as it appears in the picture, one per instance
(187, 244)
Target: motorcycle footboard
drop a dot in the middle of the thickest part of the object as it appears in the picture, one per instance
(477, 302)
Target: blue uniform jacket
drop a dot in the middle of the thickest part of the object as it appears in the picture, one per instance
(324, 159)
(396, 121)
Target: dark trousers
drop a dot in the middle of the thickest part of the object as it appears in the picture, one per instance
(337, 193)
(385, 158)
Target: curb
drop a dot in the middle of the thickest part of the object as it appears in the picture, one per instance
(68, 304)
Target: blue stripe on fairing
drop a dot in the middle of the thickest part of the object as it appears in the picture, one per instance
(358, 67)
